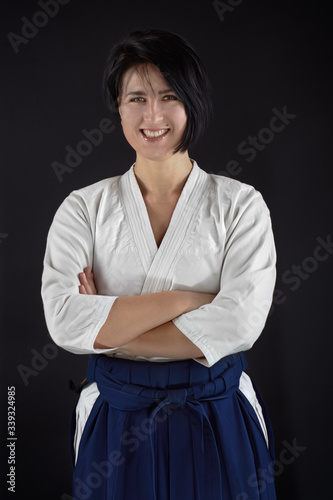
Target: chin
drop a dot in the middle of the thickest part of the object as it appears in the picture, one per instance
(156, 158)
(155, 155)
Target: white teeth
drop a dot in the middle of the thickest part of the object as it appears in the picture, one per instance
(155, 133)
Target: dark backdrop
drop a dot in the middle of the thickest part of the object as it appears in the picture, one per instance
(263, 58)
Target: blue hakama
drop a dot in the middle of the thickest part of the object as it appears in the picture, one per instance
(172, 431)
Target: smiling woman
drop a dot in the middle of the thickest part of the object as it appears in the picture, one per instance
(156, 275)
(179, 65)
(155, 115)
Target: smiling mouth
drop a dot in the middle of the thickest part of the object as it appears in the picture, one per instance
(152, 134)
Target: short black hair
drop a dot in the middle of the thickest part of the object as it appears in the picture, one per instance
(179, 64)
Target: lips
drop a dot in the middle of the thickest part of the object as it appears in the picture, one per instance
(151, 135)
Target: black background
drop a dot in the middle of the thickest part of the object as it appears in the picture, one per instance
(262, 55)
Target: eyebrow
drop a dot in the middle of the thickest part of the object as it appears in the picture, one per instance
(139, 92)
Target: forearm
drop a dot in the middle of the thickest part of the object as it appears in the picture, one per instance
(133, 316)
(130, 316)
(163, 341)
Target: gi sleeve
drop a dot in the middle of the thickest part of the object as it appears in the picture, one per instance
(233, 321)
(73, 320)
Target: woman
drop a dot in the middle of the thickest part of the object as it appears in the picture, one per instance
(183, 274)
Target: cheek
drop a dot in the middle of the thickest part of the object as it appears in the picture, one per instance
(130, 115)
(128, 121)
(180, 117)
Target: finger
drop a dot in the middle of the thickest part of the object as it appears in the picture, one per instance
(82, 290)
(89, 285)
(88, 272)
(82, 279)
(90, 280)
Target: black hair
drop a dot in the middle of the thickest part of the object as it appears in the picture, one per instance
(180, 66)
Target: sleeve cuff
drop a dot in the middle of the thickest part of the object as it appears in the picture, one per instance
(210, 357)
(105, 309)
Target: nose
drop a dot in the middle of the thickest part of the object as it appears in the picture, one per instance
(153, 111)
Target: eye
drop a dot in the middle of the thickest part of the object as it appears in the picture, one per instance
(137, 99)
(170, 97)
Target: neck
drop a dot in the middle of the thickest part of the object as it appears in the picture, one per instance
(165, 177)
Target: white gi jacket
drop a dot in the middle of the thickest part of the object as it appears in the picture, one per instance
(219, 241)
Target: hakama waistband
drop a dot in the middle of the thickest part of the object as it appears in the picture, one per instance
(130, 385)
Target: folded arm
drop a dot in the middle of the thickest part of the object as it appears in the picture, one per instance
(142, 326)
(165, 341)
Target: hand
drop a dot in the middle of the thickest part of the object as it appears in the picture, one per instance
(87, 286)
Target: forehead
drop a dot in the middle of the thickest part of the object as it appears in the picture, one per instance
(146, 76)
